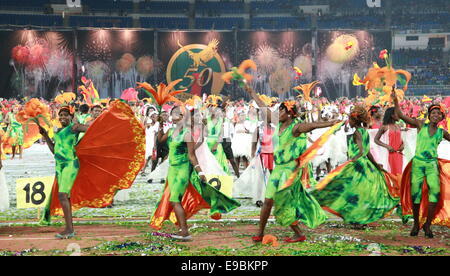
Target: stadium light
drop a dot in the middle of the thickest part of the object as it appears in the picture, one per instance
(73, 3)
(373, 3)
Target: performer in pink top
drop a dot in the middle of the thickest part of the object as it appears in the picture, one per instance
(267, 147)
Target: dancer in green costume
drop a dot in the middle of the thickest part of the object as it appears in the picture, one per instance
(425, 163)
(66, 165)
(292, 204)
(184, 170)
(83, 117)
(214, 138)
(15, 131)
(357, 191)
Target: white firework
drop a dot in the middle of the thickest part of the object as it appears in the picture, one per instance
(266, 59)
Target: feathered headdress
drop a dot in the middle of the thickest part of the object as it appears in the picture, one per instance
(306, 89)
(163, 93)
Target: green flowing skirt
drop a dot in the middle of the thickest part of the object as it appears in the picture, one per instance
(220, 155)
(293, 204)
(358, 193)
(219, 202)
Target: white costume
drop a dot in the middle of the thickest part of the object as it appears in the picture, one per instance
(4, 194)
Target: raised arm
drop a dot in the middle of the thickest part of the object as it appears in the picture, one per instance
(308, 127)
(446, 135)
(414, 122)
(264, 108)
(49, 141)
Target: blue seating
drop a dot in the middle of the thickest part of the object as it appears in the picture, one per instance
(280, 23)
(33, 20)
(220, 7)
(164, 7)
(165, 22)
(219, 23)
(101, 21)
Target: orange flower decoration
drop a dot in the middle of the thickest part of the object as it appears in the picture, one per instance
(34, 110)
(306, 88)
(270, 239)
(65, 98)
(289, 105)
(163, 95)
(267, 100)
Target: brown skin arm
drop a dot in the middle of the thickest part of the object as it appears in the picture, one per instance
(446, 135)
(80, 128)
(380, 133)
(49, 141)
(264, 108)
(414, 122)
(308, 127)
(192, 156)
(162, 137)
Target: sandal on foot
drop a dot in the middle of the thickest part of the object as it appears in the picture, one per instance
(66, 236)
(257, 239)
(181, 238)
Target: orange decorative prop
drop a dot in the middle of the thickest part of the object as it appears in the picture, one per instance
(88, 90)
(111, 154)
(163, 94)
(380, 77)
(269, 239)
(306, 88)
(289, 105)
(442, 216)
(65, 98)
(240, 73)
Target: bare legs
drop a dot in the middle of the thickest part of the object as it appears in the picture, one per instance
(264, 216)
(13, 152)
(430, 217)
(181, 218)
(235, 167)
(416, 227)
(67, 209)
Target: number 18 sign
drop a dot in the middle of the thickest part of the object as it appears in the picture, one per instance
(33, 192)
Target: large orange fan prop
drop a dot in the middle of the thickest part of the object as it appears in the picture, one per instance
(111, 154)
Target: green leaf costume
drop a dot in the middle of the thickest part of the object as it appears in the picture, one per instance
(294, 203)
(358, 192)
